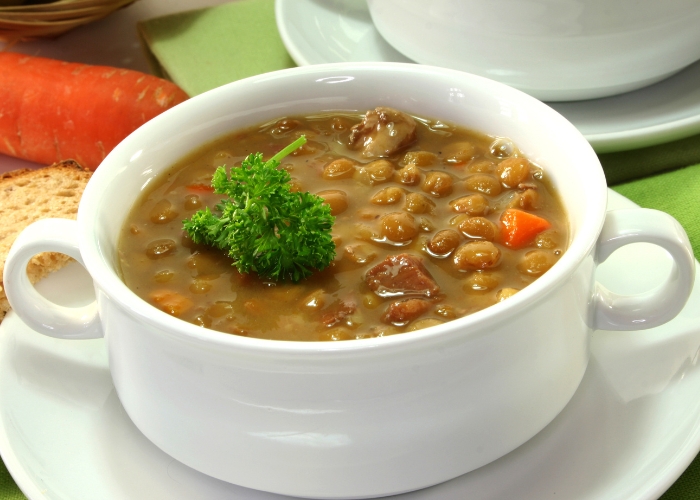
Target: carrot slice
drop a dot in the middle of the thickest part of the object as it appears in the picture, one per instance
(202, 188)
(53, 110)
(171, 302)
(519, 228)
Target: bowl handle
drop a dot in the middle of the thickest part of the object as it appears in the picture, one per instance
(39, 313)
(655, 307)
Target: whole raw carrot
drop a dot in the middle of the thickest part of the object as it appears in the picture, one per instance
(54, 110)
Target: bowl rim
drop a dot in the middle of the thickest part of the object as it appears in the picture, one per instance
(107, 279)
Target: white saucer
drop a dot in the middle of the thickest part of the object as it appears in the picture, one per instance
(630, 430)
(323, 31)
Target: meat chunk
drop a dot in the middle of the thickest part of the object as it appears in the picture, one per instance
(383, 132)
(404, 311)
(339, 311)
(402, 274)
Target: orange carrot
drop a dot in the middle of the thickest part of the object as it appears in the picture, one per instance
(171, 302)
(53, 110)
(519, 228)
(202, 188)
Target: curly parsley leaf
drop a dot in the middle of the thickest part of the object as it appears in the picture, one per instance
(264, 226)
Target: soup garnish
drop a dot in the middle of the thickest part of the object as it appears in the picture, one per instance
(432, 222)
(263, 225)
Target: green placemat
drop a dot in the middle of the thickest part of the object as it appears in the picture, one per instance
(8, 488)
(206, 48)
(624, 166)
(688, 485)
(676, 192)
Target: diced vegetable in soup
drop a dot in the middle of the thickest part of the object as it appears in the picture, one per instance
(432, 222)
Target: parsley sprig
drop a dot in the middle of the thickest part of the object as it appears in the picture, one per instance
(264, 226)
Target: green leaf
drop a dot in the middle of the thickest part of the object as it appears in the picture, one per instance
(262, 225)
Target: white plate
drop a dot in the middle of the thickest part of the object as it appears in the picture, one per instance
(630, 430)
(321, 31)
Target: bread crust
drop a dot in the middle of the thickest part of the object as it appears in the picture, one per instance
(27, 195)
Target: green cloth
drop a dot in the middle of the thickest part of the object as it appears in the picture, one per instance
(676, 192)
(8, 488)
(206, 48)
(624, 166)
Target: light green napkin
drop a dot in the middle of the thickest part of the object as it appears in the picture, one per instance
(203, 49)
(8, 488)
(627, 165)
(677, 193)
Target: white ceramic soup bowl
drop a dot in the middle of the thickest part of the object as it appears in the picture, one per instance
(368, 417)
(555, 50)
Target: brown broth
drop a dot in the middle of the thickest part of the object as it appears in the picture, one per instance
(199, 284)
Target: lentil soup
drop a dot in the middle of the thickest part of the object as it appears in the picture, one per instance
(432, 222)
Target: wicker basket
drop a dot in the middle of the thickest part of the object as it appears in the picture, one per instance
(29, 20)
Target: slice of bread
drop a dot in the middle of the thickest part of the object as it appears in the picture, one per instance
(29, 195)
